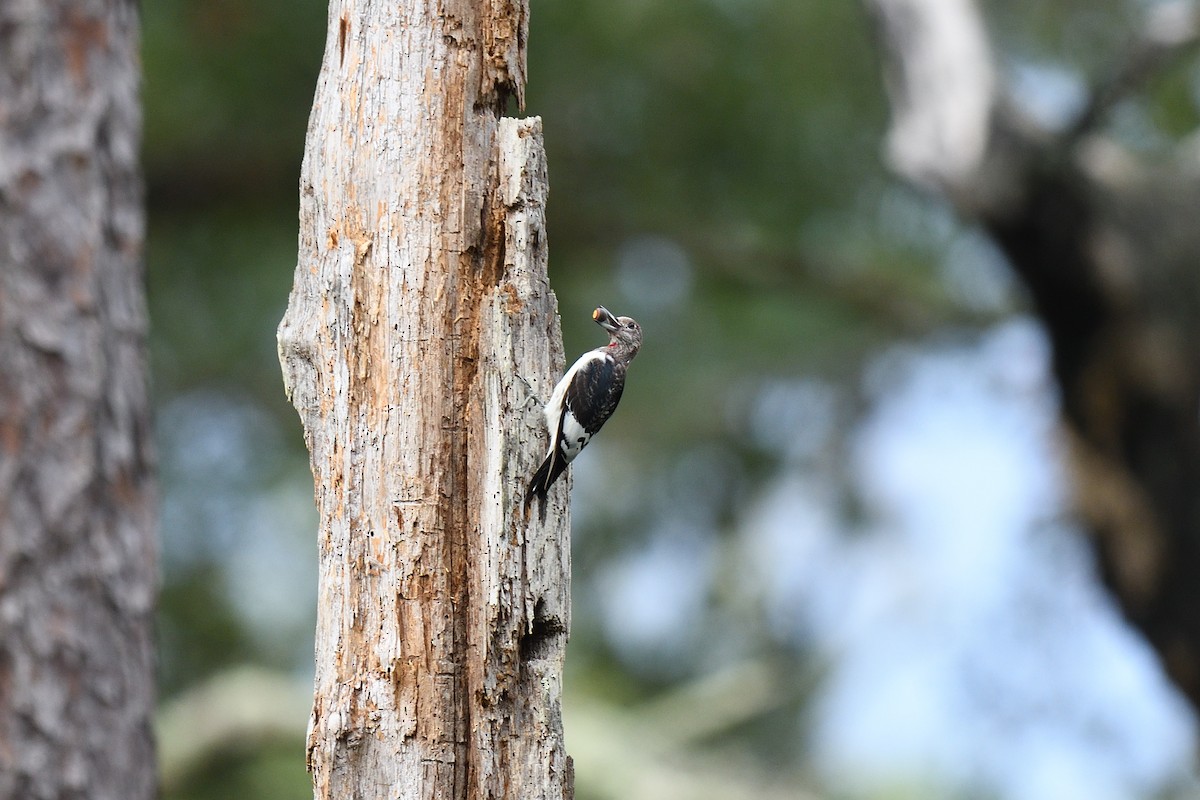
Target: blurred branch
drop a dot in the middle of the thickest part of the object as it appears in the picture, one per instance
(647, 753)
(906, 307)
(202, 179)
(1171, 33)
(716, 703)
(235, 709)
(650, 752)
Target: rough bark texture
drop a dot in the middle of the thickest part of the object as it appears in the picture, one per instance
(1107, 247)
(77, 532)
(420, 318)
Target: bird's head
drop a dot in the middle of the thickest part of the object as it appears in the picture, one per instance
(625, 333)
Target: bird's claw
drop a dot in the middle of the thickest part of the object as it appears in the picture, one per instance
(532, 395)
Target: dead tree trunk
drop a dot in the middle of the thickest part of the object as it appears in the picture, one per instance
(77, 521)
(1107, 247)
(420, 311)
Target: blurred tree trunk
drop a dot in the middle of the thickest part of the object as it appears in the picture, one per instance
(1108, 248)
(420, 308)
(77, 519)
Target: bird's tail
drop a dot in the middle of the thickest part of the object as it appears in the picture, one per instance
(542, 480)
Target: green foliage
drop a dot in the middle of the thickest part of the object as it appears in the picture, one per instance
(199, 633)
(683, 117)
(228, 88)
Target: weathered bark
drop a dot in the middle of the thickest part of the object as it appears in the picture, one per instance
(77, 523)
(1107, 248)
(420, 309)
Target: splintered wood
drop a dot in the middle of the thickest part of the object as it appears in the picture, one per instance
(420, 334)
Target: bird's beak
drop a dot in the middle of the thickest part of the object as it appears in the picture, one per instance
(605, 319)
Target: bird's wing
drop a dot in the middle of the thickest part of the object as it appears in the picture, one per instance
(558, 398)
(591, 397)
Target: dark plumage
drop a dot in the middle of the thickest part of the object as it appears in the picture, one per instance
(583, 401)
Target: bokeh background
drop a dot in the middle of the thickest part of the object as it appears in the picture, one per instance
(824, 549)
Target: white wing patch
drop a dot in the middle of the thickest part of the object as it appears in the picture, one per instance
(574, 437)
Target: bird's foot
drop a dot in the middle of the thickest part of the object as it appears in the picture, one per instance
(531, 394)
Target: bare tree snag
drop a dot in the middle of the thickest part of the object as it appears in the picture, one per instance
(1107, 247)
(420, 319)
(77, 516)
(940, 79)
(524, 581)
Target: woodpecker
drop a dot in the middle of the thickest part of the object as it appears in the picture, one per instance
(584, 400)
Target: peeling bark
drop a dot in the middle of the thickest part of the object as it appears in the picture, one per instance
(420, 317)
(1107, 248)
(77, 517)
